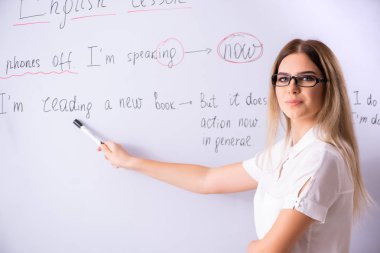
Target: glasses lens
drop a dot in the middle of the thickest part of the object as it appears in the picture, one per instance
(306, 80)
(281, 80)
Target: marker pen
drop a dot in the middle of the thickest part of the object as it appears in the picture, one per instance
(87, 132)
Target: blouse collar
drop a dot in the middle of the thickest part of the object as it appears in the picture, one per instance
(308, 138)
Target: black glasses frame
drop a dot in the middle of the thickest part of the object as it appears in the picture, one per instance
(317, 80)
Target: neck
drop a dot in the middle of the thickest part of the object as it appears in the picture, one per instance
(298, 130)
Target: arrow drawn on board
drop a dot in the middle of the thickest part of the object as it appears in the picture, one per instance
(190, 102)
(207, 50)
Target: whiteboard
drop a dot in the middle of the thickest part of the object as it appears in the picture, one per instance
(173, 80)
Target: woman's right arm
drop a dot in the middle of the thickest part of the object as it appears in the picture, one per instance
(194, 178)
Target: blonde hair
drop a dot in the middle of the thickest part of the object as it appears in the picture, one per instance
(334, 120)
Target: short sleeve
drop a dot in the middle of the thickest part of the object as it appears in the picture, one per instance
(261, 163)
(321, 189)
(252, 167)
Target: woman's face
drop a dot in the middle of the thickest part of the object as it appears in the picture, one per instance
(300, 104)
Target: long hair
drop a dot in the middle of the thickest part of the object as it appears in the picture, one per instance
(334, 120)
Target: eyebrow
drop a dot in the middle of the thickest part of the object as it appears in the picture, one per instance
(299, 73)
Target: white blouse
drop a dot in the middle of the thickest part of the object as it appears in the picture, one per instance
(327, 198)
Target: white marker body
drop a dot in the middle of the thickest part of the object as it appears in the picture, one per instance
(89, 134)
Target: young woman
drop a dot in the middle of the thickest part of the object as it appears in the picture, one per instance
(308, 185)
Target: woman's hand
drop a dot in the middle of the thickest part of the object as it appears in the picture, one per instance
(117, 155)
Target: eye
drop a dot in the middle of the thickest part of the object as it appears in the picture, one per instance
(308, 78)
(283, 79)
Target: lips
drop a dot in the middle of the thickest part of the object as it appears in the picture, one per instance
(293, 102)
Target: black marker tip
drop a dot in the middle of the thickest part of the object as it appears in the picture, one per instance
(77, 123)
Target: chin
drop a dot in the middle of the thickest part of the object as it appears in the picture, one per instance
(293, 115)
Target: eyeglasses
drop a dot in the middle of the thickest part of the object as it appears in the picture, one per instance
(281, 80)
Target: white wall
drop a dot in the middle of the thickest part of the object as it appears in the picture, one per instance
(57, 194)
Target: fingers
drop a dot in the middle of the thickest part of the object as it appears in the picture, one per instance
(106, 148)
(111, 152)
(111, 146)
(103, 147)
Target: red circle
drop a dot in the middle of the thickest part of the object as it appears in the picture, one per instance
(165, 41)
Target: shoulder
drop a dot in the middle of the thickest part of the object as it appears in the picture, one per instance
(267, 159)
(324, 152)
(327, 165)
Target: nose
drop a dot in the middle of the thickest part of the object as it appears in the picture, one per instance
(293, 87)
